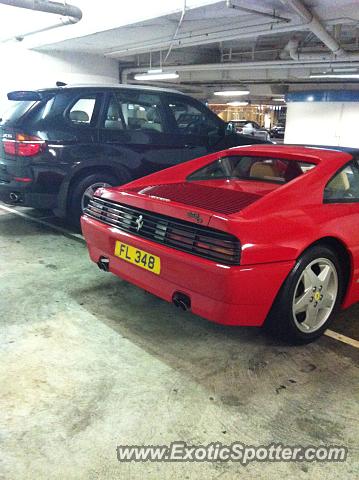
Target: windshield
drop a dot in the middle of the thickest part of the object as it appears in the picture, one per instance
(263, 169)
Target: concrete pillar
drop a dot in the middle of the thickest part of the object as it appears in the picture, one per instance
(321, 117)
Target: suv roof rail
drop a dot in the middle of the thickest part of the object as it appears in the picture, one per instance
(123, 85)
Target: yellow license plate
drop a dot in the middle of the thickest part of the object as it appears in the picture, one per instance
(138, 257)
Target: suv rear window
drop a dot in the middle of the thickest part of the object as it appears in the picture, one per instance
(263, 169)
(16, 110)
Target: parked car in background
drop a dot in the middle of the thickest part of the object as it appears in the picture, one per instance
(58, 145)
(277, 131)
(249, 127)
(256, 235)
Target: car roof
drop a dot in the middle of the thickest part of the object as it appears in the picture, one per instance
(351, 150)
(310, 153)
(110, 87)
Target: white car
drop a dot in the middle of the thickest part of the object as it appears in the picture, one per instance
(249, 127)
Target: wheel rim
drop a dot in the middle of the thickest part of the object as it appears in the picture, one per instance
(315, 295)
(90, 191)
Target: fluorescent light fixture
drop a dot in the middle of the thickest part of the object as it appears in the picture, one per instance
(345, 70)
(278, 99)
(335, 75)
(157, 74)
(237, 104)
(231, 93)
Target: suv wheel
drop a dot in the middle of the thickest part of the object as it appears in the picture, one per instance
(84, 190)
(309, 298)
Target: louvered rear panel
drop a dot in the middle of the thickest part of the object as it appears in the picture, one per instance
(219, 200)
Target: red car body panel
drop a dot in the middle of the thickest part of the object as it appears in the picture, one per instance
(275, 224)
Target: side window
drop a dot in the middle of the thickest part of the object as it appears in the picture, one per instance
(83, 110)
(189, 119)
(344, 187)
(135, 111)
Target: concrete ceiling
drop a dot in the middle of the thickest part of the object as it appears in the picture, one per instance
(228, 44)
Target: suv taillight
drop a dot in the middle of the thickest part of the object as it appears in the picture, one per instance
(24, 145)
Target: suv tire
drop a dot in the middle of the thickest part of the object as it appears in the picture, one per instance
(83, 190)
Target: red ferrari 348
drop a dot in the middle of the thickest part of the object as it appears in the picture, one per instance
(254, 235)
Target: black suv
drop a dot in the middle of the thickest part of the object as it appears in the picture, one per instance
(58, 145)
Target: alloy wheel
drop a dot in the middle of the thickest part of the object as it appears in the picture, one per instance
(315, 295)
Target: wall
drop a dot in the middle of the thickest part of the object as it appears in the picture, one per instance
(323, 122)
(23, 69)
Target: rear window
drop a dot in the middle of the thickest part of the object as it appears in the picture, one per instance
(263, 169)
(15, 110)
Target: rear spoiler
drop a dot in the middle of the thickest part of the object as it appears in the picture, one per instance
(26, 95)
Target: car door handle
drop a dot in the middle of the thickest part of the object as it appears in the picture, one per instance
(190, 146)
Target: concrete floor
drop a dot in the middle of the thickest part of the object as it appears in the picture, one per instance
(88, 362)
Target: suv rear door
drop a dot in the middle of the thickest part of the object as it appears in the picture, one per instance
(82, 116)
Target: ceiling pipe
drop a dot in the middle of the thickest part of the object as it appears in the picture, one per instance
(63, 9)
(314, 24)
(292, 49)
(72, 13)
(267, 65)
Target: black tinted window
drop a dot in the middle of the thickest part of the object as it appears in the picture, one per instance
(275, 170)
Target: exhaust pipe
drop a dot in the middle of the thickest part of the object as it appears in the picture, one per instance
(181, 301)
(14, 197)
(104, 264)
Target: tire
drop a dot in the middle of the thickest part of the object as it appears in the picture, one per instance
(81, 190)
(309, 298)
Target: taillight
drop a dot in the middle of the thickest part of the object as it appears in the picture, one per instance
(224, 249)
(9, 146)
(24, 145)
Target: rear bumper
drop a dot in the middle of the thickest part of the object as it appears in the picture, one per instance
(25, 197)
(238, 295)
